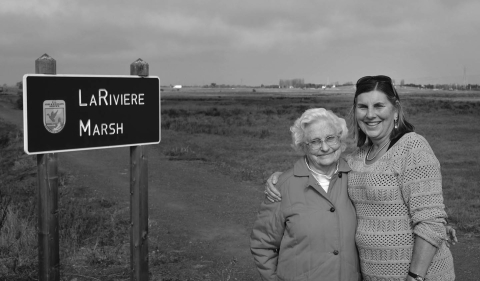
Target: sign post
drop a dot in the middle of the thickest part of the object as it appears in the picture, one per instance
(139, 199)
(79, 112)
(47, 167)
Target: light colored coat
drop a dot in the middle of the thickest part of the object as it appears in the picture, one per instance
(310, 234)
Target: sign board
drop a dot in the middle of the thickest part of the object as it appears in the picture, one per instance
(76, 112)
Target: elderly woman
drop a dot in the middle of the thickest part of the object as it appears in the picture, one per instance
(310, 234)
(396, 188)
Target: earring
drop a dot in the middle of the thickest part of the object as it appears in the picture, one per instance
(396, 123)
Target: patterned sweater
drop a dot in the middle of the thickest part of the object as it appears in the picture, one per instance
(397, 197)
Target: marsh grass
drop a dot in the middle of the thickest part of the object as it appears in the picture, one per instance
(238, 135)
(17, 228)
(248, 138)
(93, 231)
(245, 137)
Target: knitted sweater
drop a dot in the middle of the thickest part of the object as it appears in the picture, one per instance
(397, 197)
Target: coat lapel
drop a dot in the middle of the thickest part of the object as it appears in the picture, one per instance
(300, 169)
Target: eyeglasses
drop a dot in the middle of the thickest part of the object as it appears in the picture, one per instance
(331, 141)
(378, 79)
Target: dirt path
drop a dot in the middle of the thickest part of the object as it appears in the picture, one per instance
(203, 217)
(200, 218)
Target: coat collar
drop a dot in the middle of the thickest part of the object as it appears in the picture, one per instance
(300, 168)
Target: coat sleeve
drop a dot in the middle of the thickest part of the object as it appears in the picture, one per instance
(422, 192)
(265, 239)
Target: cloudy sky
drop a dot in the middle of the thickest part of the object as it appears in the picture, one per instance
(249, 42)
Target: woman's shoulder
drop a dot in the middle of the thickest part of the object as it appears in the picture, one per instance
(412, 148)
(284, 177)
(413, 141)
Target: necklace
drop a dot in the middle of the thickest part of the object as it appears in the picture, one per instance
(366, 157)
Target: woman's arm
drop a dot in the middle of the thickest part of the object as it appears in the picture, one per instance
(267, 233)
(423, 253)
(422, 192)
(270, 190)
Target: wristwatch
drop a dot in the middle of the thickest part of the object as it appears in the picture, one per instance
(416, 277)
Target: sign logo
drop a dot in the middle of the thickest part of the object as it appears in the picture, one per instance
(54, 115)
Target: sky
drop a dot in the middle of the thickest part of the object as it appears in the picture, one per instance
(245, 42)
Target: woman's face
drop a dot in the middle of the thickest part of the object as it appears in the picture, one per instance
(375, 115)
(324, 156)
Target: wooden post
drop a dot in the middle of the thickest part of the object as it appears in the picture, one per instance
(139, 199)
(47, 166)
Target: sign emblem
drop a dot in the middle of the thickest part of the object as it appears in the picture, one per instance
(54, 115)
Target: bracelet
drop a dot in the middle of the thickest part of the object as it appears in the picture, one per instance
(416, 277)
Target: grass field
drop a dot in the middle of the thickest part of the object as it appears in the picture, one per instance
(245, 135)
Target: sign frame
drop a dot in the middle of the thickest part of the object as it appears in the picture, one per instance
(26, 115)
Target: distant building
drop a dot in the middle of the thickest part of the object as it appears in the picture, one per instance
(177, 86)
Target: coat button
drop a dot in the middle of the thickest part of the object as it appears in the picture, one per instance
(340, 175)
(332, 209)
(335, 252)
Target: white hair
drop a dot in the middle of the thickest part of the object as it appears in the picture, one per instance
(311, 116)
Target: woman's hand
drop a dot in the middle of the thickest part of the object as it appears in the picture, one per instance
(270, 190)
(451, 235)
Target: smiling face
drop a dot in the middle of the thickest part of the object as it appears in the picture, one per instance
(325, 157)
(375, 115)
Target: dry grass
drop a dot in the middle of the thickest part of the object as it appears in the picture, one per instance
(93, 232)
